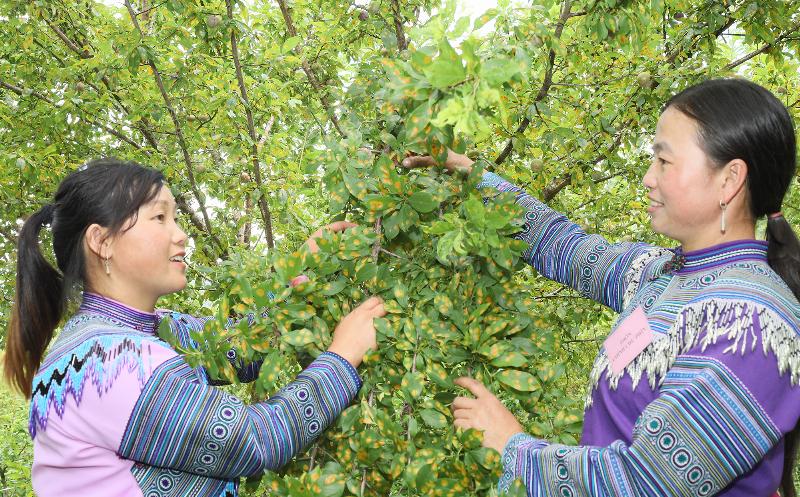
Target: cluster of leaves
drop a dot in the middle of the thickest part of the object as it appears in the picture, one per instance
(443, 262)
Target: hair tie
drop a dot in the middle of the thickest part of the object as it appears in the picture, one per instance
(775, 215)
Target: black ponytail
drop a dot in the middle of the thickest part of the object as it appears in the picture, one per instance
(107, 192)
(38, 305)
(783, 254)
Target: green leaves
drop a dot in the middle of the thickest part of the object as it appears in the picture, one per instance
(333, 287)
(298, 338)
(499, 70)
(447, 69)
(412, 384)
(422, 202)
(518, 380)
(480, 229)
(290, 44)
(433, 418)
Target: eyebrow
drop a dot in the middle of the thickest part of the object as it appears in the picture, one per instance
(661, 146)
(164, 203)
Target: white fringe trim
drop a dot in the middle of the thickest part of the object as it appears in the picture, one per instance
(704, 323)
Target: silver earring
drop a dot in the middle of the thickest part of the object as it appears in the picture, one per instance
(723, 206)
(108, 269)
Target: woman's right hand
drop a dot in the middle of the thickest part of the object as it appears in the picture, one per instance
(333, 227)
(455, 162)
(355, 333)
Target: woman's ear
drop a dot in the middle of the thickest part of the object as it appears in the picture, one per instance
(734, 179)
(98, 241)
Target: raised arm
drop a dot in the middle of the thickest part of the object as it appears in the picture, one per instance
(558, 248)
(181, 424)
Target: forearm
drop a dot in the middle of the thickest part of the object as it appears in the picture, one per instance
(180, 424)
(703, 432)
(298, 414)
(560, 250)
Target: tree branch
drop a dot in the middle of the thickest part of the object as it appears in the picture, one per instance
(8, 235)
(87, 54)
(83, 53)
(179, 198)
(695, 38)
(263, 205)
(312, 77)
(546, 82)
(181, 141)
(23, 93)
(764, 48)
(551, 190)
(402, 43)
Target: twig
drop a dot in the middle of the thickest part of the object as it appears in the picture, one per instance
(376, 247)
(763, 49)
(402, 43)
(84, 54)
(8, 236)
(87, 54)
(263, 205)
(22, 92)
(181, 141)
(581, 340)
(370, 402)
(695, 38)
(148, 9)
(546, 82)
(551, 190)
(313, 456)
(310, 74)
(392, 254)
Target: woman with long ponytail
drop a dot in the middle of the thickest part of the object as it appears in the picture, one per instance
(696, 391)
(114, 409)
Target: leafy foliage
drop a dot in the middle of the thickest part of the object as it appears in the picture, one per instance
(270, 120)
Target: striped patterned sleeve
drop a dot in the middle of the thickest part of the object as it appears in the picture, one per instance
(560, 250)
(703, 431)
(180, 423)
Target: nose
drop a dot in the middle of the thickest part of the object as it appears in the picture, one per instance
(649, 179)
(180, 236)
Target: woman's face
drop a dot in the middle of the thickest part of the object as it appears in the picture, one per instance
(684, 190)
(141, 268)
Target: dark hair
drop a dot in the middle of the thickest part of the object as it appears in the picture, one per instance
(739, 119)
(104, 191)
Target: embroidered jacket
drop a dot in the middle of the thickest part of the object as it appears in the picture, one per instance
(116, 411)
(704, 408)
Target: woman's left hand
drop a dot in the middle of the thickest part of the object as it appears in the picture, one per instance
(486, 413)
(337, 226)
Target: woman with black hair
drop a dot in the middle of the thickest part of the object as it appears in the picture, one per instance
(695, 392)
(114, 409)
